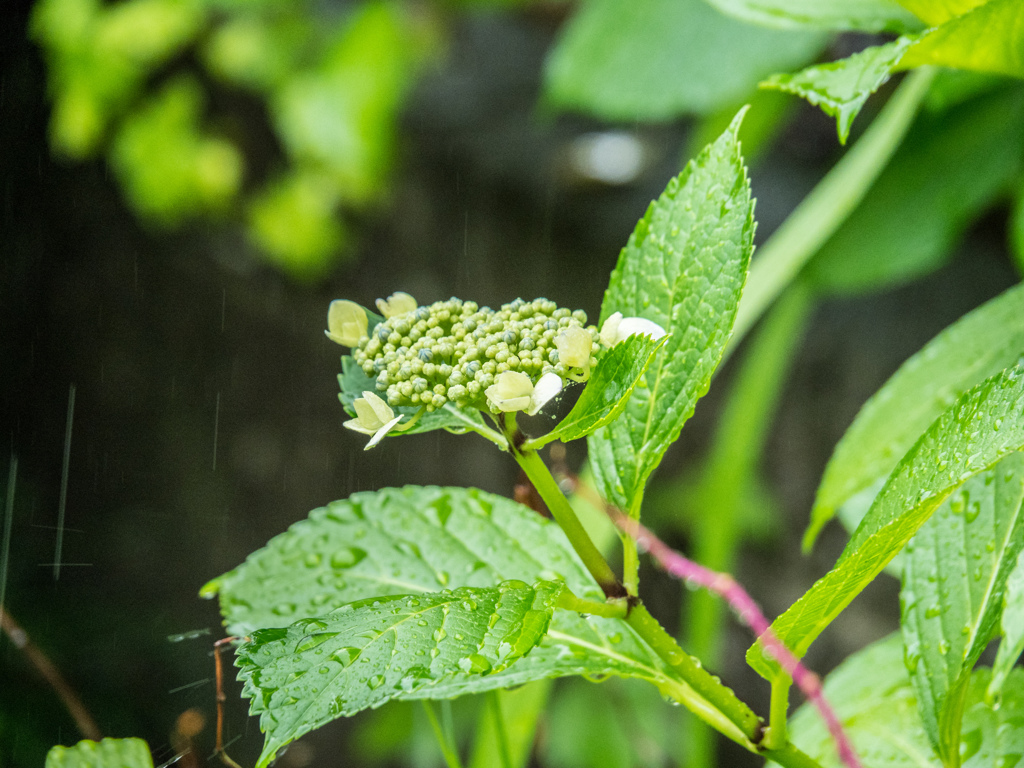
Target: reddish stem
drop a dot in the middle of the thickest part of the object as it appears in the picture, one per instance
(725, 586)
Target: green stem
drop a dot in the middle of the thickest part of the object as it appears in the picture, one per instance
(776, 734)
(613, 609)
(790, 757)
(499, 729)
(630, 566)
(829, 203)
(448, 751)
(537, 472)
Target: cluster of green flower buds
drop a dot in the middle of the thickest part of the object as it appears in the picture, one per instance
(456, 350)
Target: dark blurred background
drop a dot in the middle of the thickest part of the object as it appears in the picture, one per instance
(205, 414)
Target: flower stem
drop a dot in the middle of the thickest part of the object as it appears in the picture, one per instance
(829, 204)
(537, 472)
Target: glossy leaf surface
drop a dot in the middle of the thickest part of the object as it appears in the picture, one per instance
(978, 345)
(378, 649)
(1012, 626)
(683, 268)
(983, 426)
(954, 576)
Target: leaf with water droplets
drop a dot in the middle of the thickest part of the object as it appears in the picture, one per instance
(978, 345)
(954, 577)
(107, 753)
(875, 702)
(683, 268)
(375, 650)
(961, 443)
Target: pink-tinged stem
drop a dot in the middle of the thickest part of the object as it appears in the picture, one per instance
(749, 613)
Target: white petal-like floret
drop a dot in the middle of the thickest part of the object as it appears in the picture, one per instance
(346, 323)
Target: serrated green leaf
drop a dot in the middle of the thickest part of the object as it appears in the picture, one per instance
(984, 39)
(656, 60)
(958, 163)
(985, 424)
(841, 87)
(375, 650)
(108, 753)
(683, 268)
(954, 575)
(1012, 625)
(353, 382)
(875, 702)
(977, 345)
(837, 15)
(611, 384)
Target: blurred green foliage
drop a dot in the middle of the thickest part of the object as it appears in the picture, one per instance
(147, 82)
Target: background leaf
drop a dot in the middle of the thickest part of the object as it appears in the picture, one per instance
(984, 425)
(937, 11)
(374, 650)
(841, 87)
(656, 60)
(107, 753)
(958, 163)
(985, 39)
(837, 15)
(875, 702)
(520, 710)
(611, 383)
(977, 345)
(954, 573)
(683, 268)
(1012, 625)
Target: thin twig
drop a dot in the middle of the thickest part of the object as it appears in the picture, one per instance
(86, 725)
(749, 613)
(221, 698)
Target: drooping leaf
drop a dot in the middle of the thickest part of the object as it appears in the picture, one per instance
(1012, 625)
(611, 384)
(985, 39)
(107, 753)
(954, 575)
(371, 651)
(659, 59)
(980, 343)
(836, 15)
(876, 705)
(841, 87)
(683, 268)
(985, 424)
(958, 163)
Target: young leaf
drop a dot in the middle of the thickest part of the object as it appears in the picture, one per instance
(683, 268)
(375, 650)
(954, 574)
(107, 753)
(875, 702)
(836, 15)
(841, 87)
(985, 39)
(977, 345)
(659, 59)
(958, 163)
(985, 424)
(608, 390)
(1012, 625)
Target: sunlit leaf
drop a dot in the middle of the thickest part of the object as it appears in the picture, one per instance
(954, 575)
(985, 39)
(658, 59)
(609, 388)
(683, 268)
(841, 87)
(837, 15)
(977, 345)
(371, 651)
(108, 753)
(985, 424)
